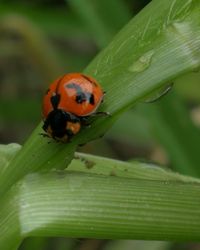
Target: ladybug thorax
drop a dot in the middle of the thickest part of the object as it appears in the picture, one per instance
(61, 125)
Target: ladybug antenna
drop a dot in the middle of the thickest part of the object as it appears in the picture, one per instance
(55, 99)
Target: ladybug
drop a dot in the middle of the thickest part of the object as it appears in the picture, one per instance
(68, 103)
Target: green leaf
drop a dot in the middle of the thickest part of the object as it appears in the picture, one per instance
(95, 206)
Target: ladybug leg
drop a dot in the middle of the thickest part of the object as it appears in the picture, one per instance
(85, 121)
(45, 127)
(44, 135)
(101, 113)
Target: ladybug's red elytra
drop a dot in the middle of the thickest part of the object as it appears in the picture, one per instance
(68, 103)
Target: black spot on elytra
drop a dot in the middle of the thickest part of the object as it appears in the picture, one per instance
(81, 96)
(55, 99)
(92, 99)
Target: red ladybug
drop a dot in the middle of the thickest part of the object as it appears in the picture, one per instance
(68, 103)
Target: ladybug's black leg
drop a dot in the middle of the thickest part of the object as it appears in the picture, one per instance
(85, 121)
(45, 125)
(44, 135)
(100, 113)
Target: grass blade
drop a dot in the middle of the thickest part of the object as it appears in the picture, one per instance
(93, 206)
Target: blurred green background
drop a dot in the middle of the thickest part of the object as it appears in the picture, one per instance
(42, 39)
